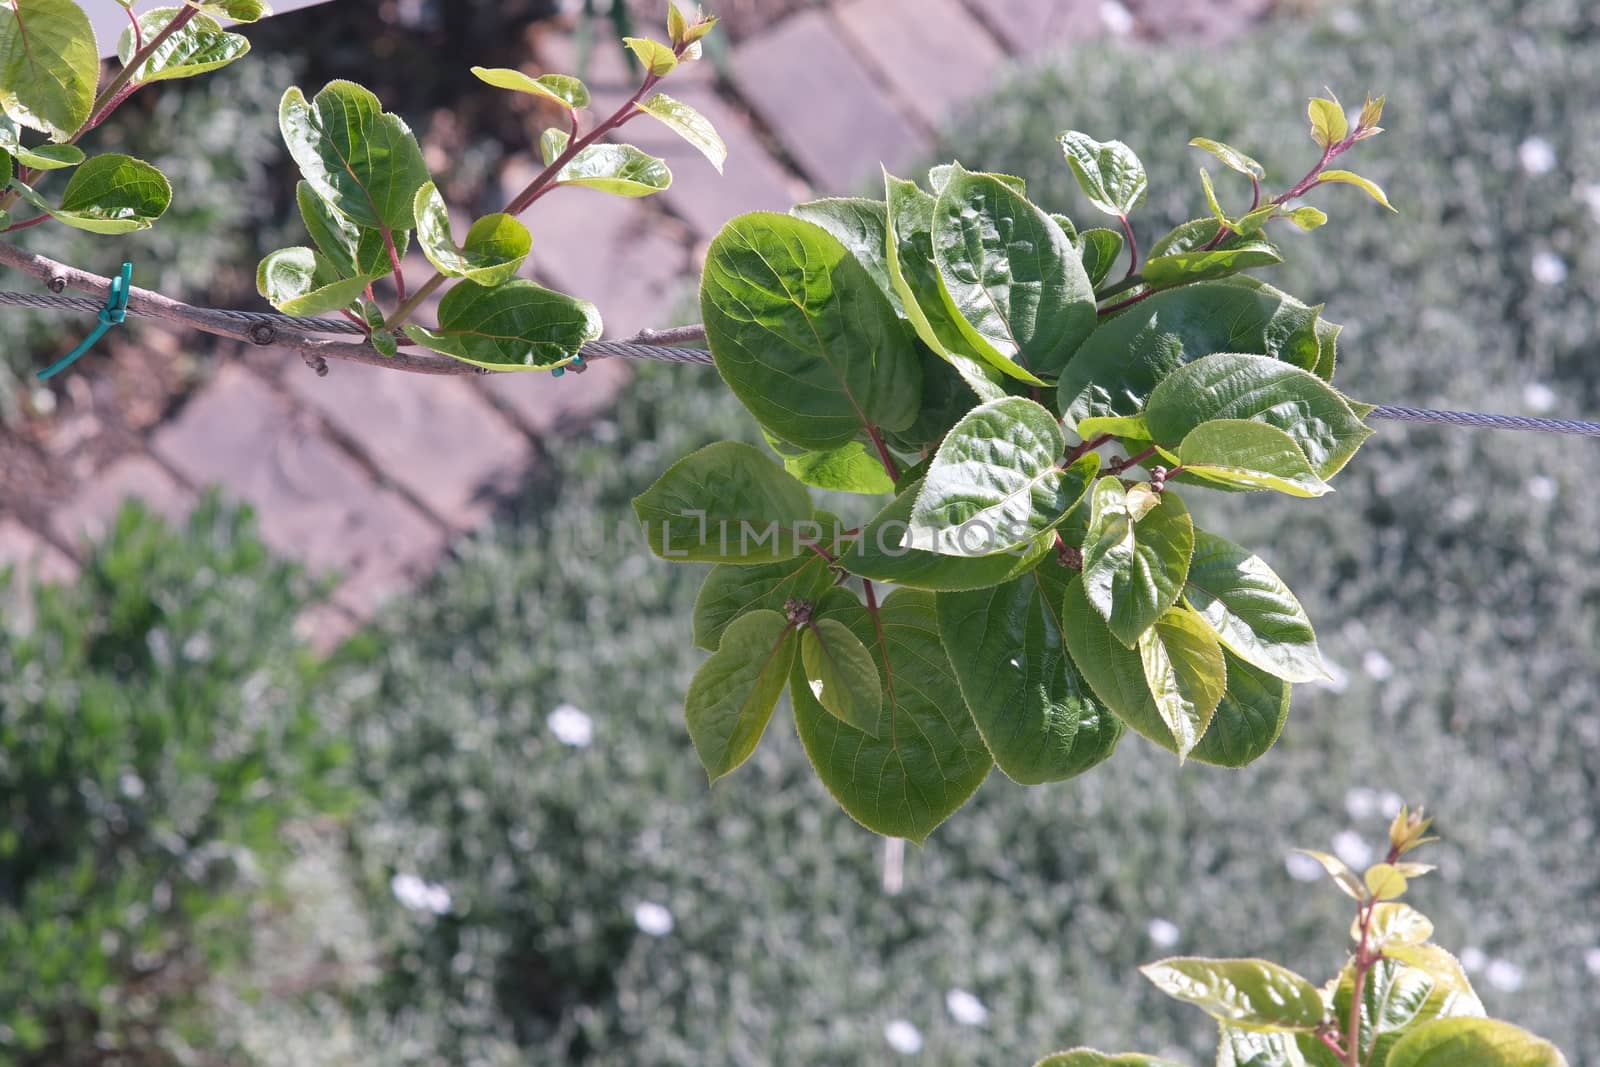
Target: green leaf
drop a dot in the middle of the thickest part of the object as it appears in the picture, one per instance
(383, 340)
(1098, 249)
(726, 503)
(923, 300)
(1252, 455)
(49, 65)
(1391, 1000)
(359, 158)
(494, 250)
(1394, 923)
(238, 10)
(995, 484)
(850, 468)
(1186, 673)
(618, 169)
(1163, 272)
(939, 176)
(37, 157)
(354, 251)
(803, 335)
(862, 227)
(731, 590)
(201, 45)
(516, 325)
(1231, 157)
(1136, 556)
(841, 675)
(928, 758)
(1251, 610)
(689, 124)
(1246, 1048)
(1019, 286)
(1384, 882)
(1307, 218)
(1109, 174)
(1328, 123)
(113, 194)
(879, 553)
(1473, 1043)
(1453, 994)
(1129, 354)
(1259, 388)
(657, 58)
(1037, 715)
(1251, 222)
(1346, 879)
(1249, 717)
(562, 89)
(1088, 1057)
(732, 696)
(1249, 994)
(946, 398)
(1366, 185)
(299, 281)
(553, 142)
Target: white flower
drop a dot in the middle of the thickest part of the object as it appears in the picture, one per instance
(1548, 268)
(965, 1008)
(1302, 868)
(1591, 960)
(1377, 665)
(1504, 975)
(654, 919)
(903, 1037)
(1536, 156)
(414, 894)
(1539, 397)
(1163, 933)
(571, 726)
(1473, 959)
(1542, 487)
(1352, 848)
(1116, 18)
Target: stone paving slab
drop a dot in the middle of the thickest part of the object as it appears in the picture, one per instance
(803, 79)
(438, 438)
(932, 53)
(1028, 27)
(91, 511)
(313, 501)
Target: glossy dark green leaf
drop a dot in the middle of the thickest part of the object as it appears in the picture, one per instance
(109, 194)
(356, 156)
(300, 281)
(726, 503)
(513, 326)
(689, 124)
(1250, 455)
(1249, 994)
(494, 250)
(995, 482)
(731, 590)
(841, 675)
(939, 176)
(1249, 717)
(1164, 272)
(354, 251)
(1037, 715)
(1108, 172)
(1473, 1043)
(1136, 555)
(946, 399)
(201, 45)
(1251, 609)
(562, 89)
(803, 335)
(36, 157)
(732, 696)
(1098, 249)
(879, 553)
(1019, 286)
(618, 169)
(928, 757)
(49, 65)
(373, 315)
(860, 225)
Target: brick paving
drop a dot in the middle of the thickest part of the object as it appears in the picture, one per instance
(368, 474)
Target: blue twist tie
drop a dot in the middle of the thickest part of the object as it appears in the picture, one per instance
(113, 314)
(576, 364)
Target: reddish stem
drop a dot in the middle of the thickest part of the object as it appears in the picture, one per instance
(1132, 461)
(1133, 247)
(889, 466)
(1083, 448)
(26, 223)
(394, 261)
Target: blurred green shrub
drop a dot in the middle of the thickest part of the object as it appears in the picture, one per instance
(156, 733)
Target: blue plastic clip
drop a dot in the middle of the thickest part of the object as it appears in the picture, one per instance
(576, 365)
(113, 314)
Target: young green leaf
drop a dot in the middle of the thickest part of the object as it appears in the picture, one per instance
(1251, 610)
(1249, 717)
(1098, 249)
(878, 553)
(1473, 1043)
(513, 326)
(1249, 994)
(995, 482)
(731, 590)
(1231, 157)
(383, 340)
(689, 124)
(1307, 218)
(1019, 286)
(562, 89)
(201, 45)
(1394, 923)
(732, 696)
(1088, 1057)
(928, 757)
(656, 57)
(553, 142)
(1366, 185)
(494, 250)
(1343, 877)
(618, 169)
(1109, 174)
(1037, 715)
(1136, 555)
(841, 674)
(359, 158)
(1384, 882)
(113, 194)
(1186, 673)
(36, 157)
(850, 468)
(299, 281)
(939, 176)
(1164, 272)
(803, 335)
(1328, 123)
(862, 226)
(726, 503)
(354, 251)
(1249, 455)
(238, 10)
(49, 65)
